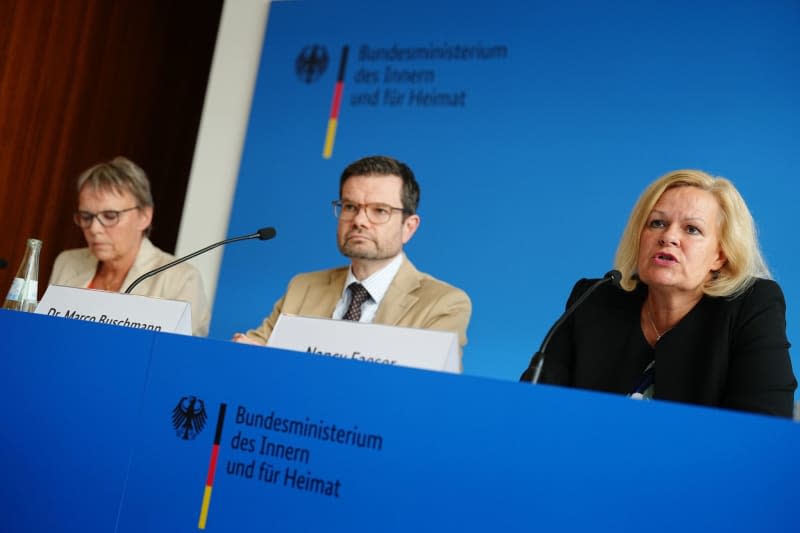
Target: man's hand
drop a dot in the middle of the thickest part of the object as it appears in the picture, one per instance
(244, 339)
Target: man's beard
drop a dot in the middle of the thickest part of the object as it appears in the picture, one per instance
(369, 253)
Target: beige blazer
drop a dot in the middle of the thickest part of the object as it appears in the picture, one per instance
(414, 299)
(76, 268)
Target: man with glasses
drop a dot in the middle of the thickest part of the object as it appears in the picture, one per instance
(115, 213)
(377, 214)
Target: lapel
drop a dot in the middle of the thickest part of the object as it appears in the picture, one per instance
(82, 270)
(399, 299)
(142, 264)
(321, 298)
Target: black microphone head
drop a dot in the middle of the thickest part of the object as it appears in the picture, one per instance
(266, 234)
(615, 276)
(3, 263)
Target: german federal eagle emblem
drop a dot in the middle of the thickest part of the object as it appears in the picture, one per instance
(189, 417)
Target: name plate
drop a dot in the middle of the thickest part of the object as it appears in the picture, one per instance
(129, 310)
(374, 343)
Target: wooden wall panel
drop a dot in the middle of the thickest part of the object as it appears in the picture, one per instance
(82, 81)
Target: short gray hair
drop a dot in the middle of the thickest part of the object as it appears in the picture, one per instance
(118, 176)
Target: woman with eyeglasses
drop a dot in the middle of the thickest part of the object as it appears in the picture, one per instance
(115, 212)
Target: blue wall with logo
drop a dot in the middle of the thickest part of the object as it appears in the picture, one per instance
(561, 113)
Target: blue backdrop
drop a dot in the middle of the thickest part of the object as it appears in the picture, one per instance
(532, 127)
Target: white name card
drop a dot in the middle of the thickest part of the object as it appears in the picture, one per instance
(375, 343)
(130, 310)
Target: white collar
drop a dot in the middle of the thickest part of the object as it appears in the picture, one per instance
(378, 283)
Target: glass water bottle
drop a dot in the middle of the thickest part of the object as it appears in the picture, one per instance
(24, 292)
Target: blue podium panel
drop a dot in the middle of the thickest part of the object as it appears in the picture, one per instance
(308, 443)
(71, 393)
(113, 429)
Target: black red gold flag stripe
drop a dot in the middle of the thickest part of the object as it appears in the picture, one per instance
(333, 120)
(212, 468)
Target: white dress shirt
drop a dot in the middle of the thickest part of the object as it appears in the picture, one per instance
(377, 285)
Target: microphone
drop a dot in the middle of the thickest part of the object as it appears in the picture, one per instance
(264, 234)
(3, 263)
(534, 369)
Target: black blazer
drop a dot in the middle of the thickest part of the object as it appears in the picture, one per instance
(726, 352)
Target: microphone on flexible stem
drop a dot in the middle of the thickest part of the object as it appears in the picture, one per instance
(263, 234)
(534, 369)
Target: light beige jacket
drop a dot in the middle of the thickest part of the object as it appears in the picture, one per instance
(76, 268)
(414, 299)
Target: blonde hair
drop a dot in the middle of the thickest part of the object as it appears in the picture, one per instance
(737, 233)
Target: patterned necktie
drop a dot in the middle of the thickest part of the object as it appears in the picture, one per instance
(358, 295)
